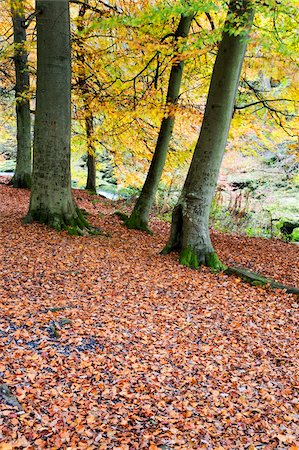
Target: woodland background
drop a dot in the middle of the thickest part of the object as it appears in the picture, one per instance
(126, 54)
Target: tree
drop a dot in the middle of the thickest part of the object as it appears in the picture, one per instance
(189, 230)
(51, 199)
(140, 215)
(22, 176)
(88, 113)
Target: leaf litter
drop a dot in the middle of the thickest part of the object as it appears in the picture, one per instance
(105, 344)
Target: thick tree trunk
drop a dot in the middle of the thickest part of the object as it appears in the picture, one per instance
(190, 231)
(22, 176)
(140, 214)
(51, 200)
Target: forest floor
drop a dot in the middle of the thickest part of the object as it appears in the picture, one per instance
(106, 344)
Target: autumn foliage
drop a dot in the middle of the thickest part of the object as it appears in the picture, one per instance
(107, 345)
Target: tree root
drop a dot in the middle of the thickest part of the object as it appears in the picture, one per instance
(21, 181)
(135, 222)
(75, 225)
(189, 258)
(121, 215)
(259, 280)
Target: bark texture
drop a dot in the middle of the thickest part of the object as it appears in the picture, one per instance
(22, 176)
(190, 231)
(140, 214)
(51, 200)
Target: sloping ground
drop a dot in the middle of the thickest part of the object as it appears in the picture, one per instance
(107, 345)
(270, 257)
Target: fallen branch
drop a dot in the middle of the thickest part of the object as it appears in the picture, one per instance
(258, 280)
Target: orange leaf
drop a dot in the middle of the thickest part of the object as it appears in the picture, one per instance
(153, 447)
(6, 446)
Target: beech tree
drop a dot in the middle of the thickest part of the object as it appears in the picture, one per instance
(22, 176)
(51, 199)
(140, 215)
(190, 220)
(88, 113)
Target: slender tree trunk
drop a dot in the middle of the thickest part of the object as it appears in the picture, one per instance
(140, 214)
(91, 183)
(22, 176)
(190, 231)
(51, 200)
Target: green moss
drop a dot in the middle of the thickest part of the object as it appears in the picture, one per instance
(75, 225)
(295, 235)
(259, 283)
(134, 222)
(73, 231)
(84, 212)
(188, 258)
(166, 250)
(81, 221)
(124, 217)
(212, 261)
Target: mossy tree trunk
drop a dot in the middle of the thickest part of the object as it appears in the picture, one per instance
(51, 199)
(140, 215)
(190, 222)
(22, 176)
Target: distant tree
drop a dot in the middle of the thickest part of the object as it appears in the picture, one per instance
(140, 215)
(51, 199)
(22, 176)
(190, 220)
(85, 98)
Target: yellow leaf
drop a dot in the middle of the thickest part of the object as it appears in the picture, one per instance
(6, 446)
(288, 438)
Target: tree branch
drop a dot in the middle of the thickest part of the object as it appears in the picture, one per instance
(95, 9)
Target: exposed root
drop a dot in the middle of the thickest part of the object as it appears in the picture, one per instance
(21, 181)
(213, 262)
(258, 280)
(135, 222)
(190, 258)
(174, 241)
(124, 217)
(74, 224)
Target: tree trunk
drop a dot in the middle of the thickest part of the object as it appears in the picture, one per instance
(140, 214)
(91, 182)
(190, 232)
(22, 176)
(51, 200)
